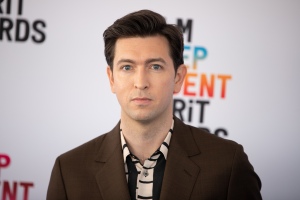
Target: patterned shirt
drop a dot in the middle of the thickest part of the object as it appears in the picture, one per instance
(145, 181)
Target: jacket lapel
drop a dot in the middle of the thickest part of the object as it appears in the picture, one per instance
(111, 176)
(181, 172)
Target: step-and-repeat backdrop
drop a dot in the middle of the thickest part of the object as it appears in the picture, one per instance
(243, 83)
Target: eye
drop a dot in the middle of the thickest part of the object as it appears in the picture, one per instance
(156, 67)
(126, 67)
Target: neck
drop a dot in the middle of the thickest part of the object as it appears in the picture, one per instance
(143, 138)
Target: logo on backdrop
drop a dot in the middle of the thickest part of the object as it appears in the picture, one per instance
(199, 87)
(19, 29)
(11, 190)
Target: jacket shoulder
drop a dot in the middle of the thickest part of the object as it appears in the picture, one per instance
(214, 147)
(85, 150)
(205, 139)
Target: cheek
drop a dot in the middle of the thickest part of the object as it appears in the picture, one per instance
(121, 95)
(166, 88)
(122, 85)
(121, 89)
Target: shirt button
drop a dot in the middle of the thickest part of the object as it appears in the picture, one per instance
(145, 173)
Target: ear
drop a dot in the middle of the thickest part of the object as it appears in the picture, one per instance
(179, 78)
(110, 78)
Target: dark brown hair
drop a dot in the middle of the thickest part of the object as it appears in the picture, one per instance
(143, 23)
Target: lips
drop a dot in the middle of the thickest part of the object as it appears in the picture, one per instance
(141, 100)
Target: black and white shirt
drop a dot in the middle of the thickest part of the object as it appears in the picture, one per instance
(145, 181)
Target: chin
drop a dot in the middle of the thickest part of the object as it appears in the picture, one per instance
(143, 117)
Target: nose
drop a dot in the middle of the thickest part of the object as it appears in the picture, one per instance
(141, 79)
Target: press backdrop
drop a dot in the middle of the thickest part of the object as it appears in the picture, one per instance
(243, 83)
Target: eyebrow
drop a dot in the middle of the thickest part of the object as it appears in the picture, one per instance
(150, 60)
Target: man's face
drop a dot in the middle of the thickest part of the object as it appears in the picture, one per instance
(144, 78)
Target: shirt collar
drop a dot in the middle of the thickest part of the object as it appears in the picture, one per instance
(164, 147)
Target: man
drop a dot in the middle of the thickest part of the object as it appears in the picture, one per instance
(151, 154)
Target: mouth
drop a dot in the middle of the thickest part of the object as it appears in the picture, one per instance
(141, 100)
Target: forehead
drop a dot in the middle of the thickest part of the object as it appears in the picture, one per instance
(142, 47)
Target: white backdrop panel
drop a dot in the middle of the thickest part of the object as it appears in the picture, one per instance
(55, 95)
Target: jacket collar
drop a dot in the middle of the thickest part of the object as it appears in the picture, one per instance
(111, 176)
(180, 173)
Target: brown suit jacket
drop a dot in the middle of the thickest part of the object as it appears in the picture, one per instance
(199, 166)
